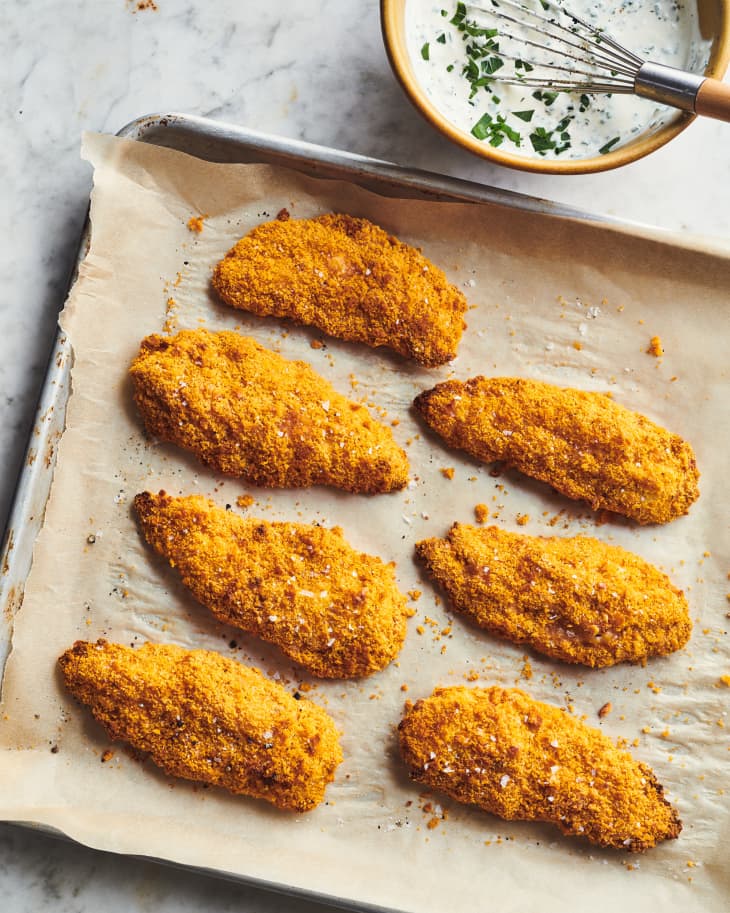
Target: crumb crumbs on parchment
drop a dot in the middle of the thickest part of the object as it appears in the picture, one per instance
(316, 344)
(107, 756)
(195, 223)
(605, 709)
(170, 324)
(522, 519)
(526, 671)
(655, 347)
(447, 472)
(244, 501)
(725, 680)
(481, 512)
(415, 595)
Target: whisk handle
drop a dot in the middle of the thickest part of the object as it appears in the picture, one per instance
(687, 91)
(713, 99)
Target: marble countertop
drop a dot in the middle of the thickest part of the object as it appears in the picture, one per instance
(308, 69)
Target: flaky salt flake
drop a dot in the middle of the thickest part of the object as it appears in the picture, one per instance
(504, 780)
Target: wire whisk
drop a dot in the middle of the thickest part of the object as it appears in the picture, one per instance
(550, 47)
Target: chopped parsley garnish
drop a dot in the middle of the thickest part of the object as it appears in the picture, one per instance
(481, 127)
(483, 61)
(547, 98)
(542, 140)
(495, 130)
(609, 145)
(460, 14)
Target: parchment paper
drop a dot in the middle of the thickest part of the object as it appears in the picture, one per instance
(551, 299)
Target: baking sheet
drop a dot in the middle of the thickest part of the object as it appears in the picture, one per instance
(535, 283)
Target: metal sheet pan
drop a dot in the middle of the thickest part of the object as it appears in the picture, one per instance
(221, 143)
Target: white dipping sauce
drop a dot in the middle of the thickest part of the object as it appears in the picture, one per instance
(547, 125)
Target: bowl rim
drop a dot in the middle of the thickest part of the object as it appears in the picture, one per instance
(392, 26)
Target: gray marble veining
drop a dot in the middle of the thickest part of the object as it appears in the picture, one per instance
(310, 69)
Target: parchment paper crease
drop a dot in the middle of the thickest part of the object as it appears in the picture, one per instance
(552, 299)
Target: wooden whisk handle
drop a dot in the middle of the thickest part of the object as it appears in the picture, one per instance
(713, 100)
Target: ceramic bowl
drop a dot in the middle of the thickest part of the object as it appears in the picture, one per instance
(715, 27)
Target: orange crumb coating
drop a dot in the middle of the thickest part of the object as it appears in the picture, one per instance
(248, 412)
(577, 600)
(203, 717)
(350, 279)
(524, 760)
(583, 444)
(334, 610)
(655, 347)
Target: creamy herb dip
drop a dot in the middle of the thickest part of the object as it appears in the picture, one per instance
(543, 123)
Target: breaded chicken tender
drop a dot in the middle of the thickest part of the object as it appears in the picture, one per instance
(248, 412)
(524, 760)
(350, 279)
(583, 444)
(577, 600)
(336, 611)
(203, 717)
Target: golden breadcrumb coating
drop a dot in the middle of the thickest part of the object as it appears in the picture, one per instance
(336, 611)
(521, 759)
(583, 444)
(577, 600)
(350, 279)
(203, 717)
(249, 412)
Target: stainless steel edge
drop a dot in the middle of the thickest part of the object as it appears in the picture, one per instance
(219, 141)
(31, 495)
